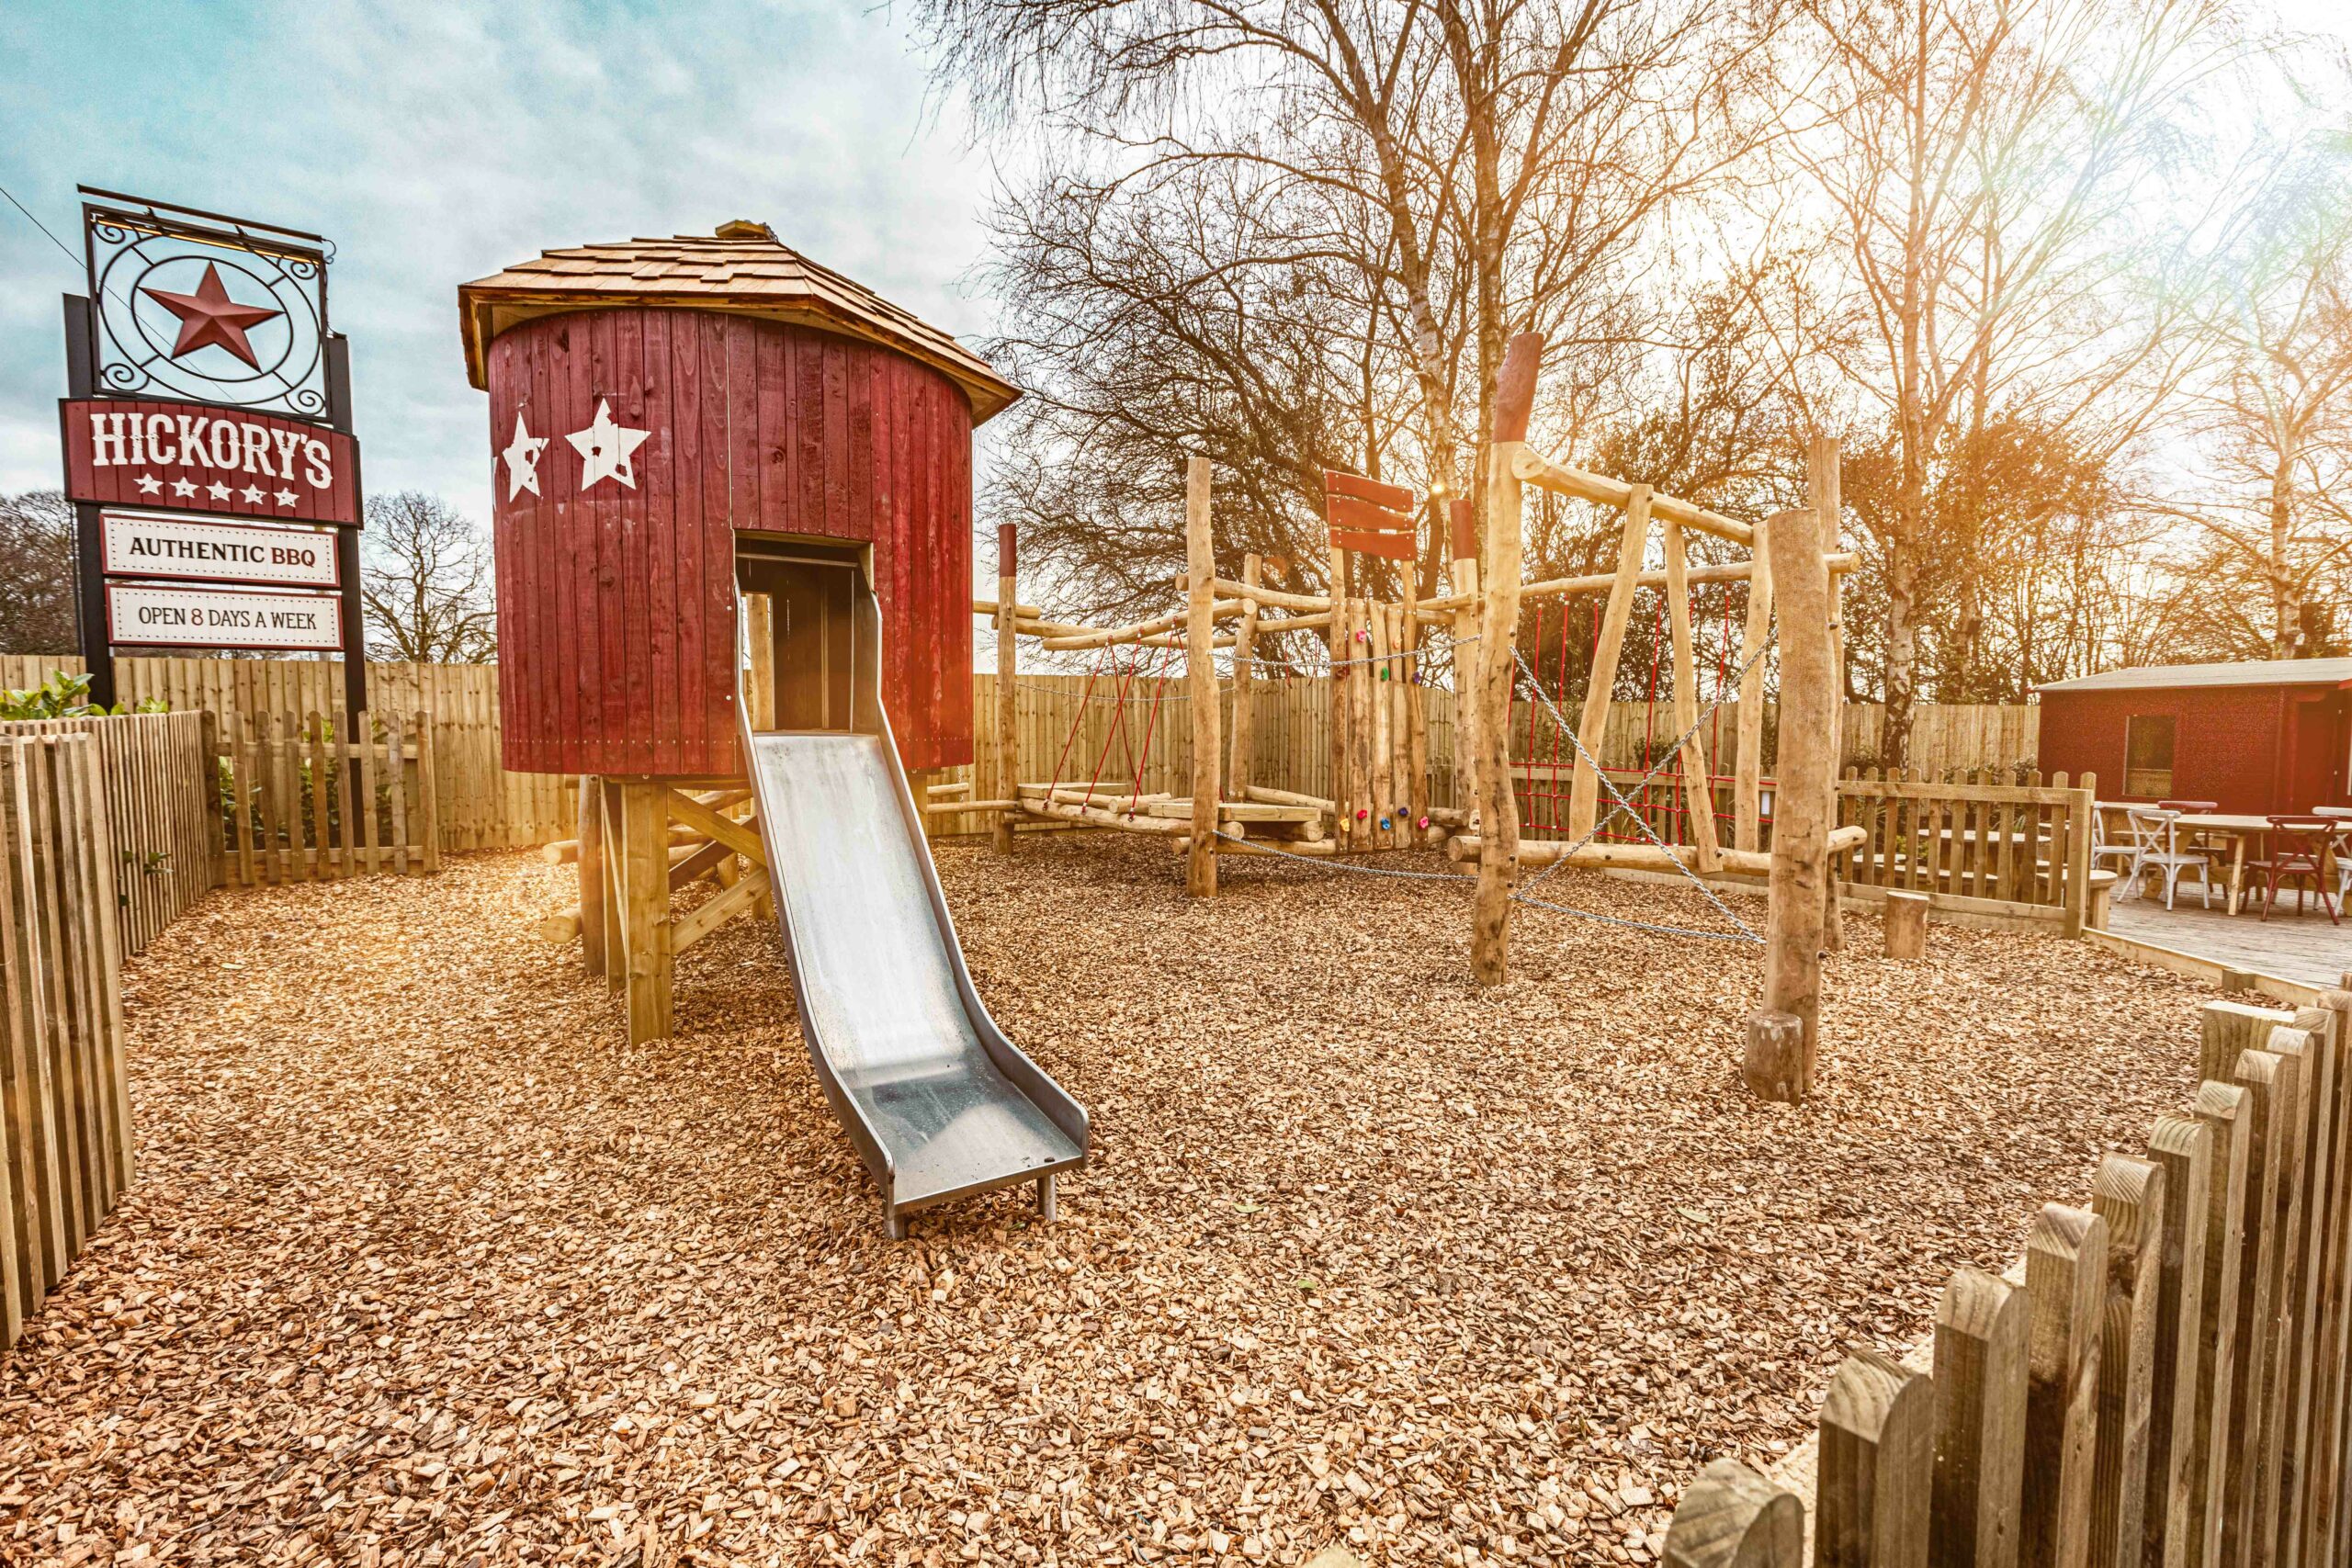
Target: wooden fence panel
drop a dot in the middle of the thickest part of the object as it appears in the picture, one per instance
(303, 803)
(66, 1145)
(2159, 1396)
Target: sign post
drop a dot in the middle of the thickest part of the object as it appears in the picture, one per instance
(206, 434)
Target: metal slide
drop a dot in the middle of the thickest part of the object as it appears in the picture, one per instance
(939, 1102)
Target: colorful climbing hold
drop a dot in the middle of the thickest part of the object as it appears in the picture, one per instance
(1361, 814)
(1424, 822)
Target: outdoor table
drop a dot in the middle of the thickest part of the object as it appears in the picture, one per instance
(2240, 830)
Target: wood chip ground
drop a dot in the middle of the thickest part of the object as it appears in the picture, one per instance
(424, 1266)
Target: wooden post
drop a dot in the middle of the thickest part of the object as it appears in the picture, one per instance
(1245, 686)
(1592, 725)
(2129, 1194)
(2225, 1110)
(1200, 679)
(1822, 486)
(1363, 680)
(1980, 1357)
(1343, 807)
(1773, 1067)
(1877, 1459)
(2270, 1089)
(1697, 791)
(2298, 1053)
(759, 681)
(1464, 533)
(591, 875)
(1416, 796)
(645, 908)
(2183, 1148)
(1906, 925)
(1748, 786)
(1400, 724)
(1008, 674)
(1801, 816)
(614, 901)
(1498, 628)
(1380, 687)
(1733, 1517)
(2065, 1283)
(2327, 1495)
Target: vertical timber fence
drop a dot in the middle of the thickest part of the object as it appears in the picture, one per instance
(2163, 1381)
(66, 1145)
(301, 803)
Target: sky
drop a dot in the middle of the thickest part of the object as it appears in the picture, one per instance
(433, 143)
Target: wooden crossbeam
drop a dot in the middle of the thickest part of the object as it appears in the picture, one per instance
(701, 921)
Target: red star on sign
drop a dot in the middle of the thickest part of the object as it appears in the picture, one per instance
(209, 317)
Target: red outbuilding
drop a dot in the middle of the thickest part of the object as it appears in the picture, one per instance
(2256, 738)
(670, 415)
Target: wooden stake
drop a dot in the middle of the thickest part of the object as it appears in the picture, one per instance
(1733, 1517)
(1245, 689)
(1749, 770)
(1008, 676)
(1363, 681)
(1415, 795)
(1335, 696)
(1906, 925)
(645, 916)
(2065, 1283)
(1877, 1458)
(1584, 788)
(1801, 814)
(1981, 1337)
(1822, 482)
(2130, 1195)
(1200, 680)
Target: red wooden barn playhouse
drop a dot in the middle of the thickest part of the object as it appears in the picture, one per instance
(733, 526)
(2256, 738)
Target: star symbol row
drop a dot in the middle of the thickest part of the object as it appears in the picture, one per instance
(608, 450)
(254, 495)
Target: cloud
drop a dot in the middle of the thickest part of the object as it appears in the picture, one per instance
(438, 143)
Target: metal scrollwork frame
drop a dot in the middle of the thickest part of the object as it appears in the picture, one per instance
(131, 243)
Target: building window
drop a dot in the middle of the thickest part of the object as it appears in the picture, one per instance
(2147, 755)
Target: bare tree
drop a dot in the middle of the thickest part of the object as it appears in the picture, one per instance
(1988, 166)
(424, 586)
(2274, 495)
(37, 585)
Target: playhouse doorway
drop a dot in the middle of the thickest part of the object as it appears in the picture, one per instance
(809, 592)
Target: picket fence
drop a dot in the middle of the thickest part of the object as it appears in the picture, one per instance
(155, 769)
(65, 1143)
(2163, 1381)
(1979, 840)
(481, 806)
(303, 803)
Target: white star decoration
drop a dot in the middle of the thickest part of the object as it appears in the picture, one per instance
(150, 485)
(522, 456)
(606, 448)
(217, 491)
(252, 494)
(287, 498)
(182, 486)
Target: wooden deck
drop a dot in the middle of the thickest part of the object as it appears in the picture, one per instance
(2305, 948)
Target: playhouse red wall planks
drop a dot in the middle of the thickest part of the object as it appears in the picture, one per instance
(616, 602)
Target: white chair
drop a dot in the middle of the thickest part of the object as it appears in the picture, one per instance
(2157, 848)
(2105, 848)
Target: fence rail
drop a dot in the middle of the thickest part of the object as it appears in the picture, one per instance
(2165, 1381)
(65, 1144)
(1974, 843)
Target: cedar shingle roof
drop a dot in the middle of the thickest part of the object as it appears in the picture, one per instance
(743, 268)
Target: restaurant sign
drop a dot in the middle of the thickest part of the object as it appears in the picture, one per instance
(172, 615)
(163, 544)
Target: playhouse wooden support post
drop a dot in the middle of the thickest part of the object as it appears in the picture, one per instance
(1363, 681)
(1465, 532)
(1698, 787)
(1008, 670)
(1592, 725)
(1200, 679)
(1498, 809)
(591, 874)
(1245, 688)
(1800, 816)
(645, 908)
(1747, 784)
(608, 802)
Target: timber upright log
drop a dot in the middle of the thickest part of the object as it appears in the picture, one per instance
(679, 428)
(1498, 629)
(1802, 810)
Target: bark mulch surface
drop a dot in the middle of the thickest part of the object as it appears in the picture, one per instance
(425, 1265)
